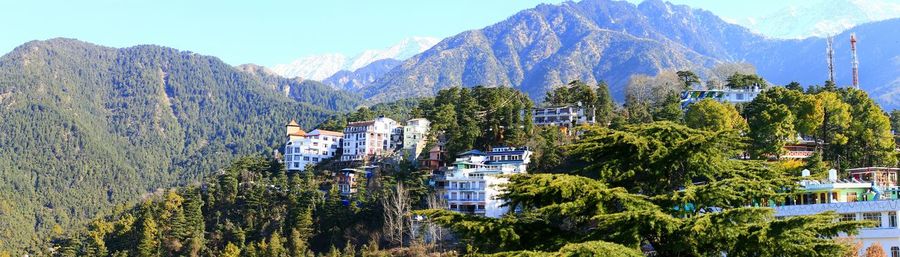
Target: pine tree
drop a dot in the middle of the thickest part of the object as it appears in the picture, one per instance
(276, 246)
(148, 246)
(231, 251)
(605, 105)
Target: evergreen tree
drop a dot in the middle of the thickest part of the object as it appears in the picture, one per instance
(231, 251)
(275, 247)
(794, 86)
(771, 126)
(870, 142)
(605, 105)
(688, 79)
(712, 115)
(148, 245)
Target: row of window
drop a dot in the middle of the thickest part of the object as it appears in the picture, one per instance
(873, 216)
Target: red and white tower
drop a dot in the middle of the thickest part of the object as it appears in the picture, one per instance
(855, 61)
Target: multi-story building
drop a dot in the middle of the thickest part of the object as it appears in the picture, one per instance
(563, 116)
(415, 135)
(304, 148)
(472, 184)
(365, 139)
(870, 194)
(348, 179)
(729, 95)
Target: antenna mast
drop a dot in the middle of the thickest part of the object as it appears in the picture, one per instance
(829, 53)
(855, 61)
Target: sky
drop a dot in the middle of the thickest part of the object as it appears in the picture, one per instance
(272, 32)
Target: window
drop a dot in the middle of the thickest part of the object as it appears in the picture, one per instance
(306, 158)
(892, 220)
(851, 197)
(315, 159)
(848, 217)
(873, 216)
(895, 251)
(290, 158)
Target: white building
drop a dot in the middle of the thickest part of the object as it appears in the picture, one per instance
(729, 95)
(415, 135)
(472, 184)
(870, 194)
(309, 148)
(365, 139)
(565, 116)
(883, 212)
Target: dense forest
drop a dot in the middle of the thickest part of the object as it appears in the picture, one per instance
(97, 133)
(663, 183)
(88, 127)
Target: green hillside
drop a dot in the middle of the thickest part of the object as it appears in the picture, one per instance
(87, 127)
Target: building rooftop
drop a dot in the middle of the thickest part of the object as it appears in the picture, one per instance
(293, 123)
(299, 133)
(471, 152)
(327, 132)
(361, 123)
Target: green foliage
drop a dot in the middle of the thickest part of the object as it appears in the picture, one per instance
(479, 117)
(709, 209)
(771, 124)
(262, 217)
(605, 105)
(738, 80)
(869, 138)
(87, 128)
(657, 157)
(712, 115)
(688, 79)
(573, 93)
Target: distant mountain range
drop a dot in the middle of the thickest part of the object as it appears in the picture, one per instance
(820, 18)
(320, 67)
(594, 40)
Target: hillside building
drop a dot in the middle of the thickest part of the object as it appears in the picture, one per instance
(472, 184)
(367, 139)
(728, 95)
(415, 137)
(870, 194)
(304, 148)
(563, 116)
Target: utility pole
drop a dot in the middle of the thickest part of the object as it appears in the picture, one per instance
(855, 61)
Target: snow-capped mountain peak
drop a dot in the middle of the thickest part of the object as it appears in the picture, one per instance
(821, 18)
(319, 67)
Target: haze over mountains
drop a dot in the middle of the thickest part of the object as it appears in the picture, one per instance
(320, 67)
(594, 40)
(820, 18)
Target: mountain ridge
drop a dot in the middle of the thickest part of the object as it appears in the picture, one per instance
(87, 127)
(550, 45)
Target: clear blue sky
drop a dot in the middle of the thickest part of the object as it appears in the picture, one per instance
(271, 32)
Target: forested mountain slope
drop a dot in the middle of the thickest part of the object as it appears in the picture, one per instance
(86, 127)
(591, 40)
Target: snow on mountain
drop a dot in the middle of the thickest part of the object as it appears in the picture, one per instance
(821, 18)
(319, 67)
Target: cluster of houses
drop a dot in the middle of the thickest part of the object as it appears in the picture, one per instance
(471, 183)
